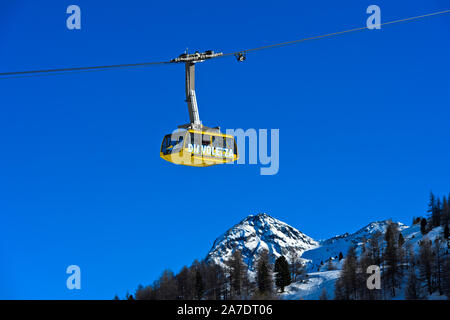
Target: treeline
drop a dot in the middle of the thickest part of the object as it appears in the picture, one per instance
(438, 215)
(231, 281)
(414, 272)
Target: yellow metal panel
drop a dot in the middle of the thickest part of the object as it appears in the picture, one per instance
(189, 159)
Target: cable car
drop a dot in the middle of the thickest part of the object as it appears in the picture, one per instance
(198, 148)
(194, 144)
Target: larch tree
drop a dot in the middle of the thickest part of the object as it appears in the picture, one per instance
(237, 270)
(346, 285)
(199, 286)
(423, 226)
(264, 275)
(391, 257)
(296, 266)
(425, 263)
(439, 253)
(413, 290)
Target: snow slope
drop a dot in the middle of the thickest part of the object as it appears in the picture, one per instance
(313, 287)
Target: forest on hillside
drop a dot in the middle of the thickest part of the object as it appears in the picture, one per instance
(406, 271)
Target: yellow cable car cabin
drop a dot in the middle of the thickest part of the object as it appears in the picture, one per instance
(195, 144)
(199, 148)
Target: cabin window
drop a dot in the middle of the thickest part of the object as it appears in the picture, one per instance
(172, 143)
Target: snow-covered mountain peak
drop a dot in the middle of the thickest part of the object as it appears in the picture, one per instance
(365, 232)
(256, 233)
(378, 226)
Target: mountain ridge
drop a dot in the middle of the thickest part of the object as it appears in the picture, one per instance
(261, 231)
(255, 232)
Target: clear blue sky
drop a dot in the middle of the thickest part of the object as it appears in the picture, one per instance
(363, 118)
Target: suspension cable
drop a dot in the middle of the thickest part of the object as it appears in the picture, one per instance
(31, 73)
(334, 33)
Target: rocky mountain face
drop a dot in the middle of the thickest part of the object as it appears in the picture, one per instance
(261, 231)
